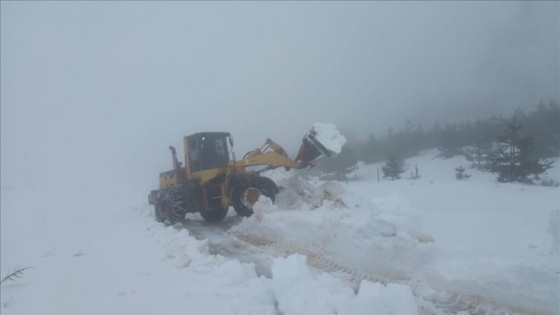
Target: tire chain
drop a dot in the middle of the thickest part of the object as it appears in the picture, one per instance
(178, 208)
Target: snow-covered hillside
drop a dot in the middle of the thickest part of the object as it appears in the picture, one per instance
(433, 245)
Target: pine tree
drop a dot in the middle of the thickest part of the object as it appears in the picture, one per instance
(478, 154)
(371, 150)
(460, 173)
(450, 143)
(512, 161)
(393, 168)
(342, 164)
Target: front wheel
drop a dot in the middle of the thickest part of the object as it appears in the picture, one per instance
(214, 215)
(247, 192)
(170, 207)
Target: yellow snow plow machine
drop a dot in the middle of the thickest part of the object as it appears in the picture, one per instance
(212, 179)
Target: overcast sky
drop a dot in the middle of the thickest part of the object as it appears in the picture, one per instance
(94, 92)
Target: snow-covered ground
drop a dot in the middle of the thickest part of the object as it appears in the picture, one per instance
(432, 245)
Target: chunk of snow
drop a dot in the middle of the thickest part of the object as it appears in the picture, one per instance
(329, 136)
(374, 298)
(298, 290)
(297, 193)
(262, 207)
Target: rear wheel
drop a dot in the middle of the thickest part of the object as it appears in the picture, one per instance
(214, 215)
(170, 207)
(247, 192)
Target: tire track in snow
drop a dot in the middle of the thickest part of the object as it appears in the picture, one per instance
(220, 242)
(261, 251)
(315, 258)
(444, 302)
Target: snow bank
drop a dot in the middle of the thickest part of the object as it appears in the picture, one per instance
(475, 238)
(293, 288)
(299, 194)
(184, 249)
(298, 290)
(378, 236)
(383, 236)
(329, 136)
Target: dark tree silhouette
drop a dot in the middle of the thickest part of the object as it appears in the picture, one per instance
(342, 164)
(460, 173)
(512, 160)
(393, 168)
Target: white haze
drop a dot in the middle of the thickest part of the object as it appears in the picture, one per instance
(92, 93)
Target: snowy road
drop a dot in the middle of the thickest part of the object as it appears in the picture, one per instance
(261, 252)
(430, 246)
(226, 244)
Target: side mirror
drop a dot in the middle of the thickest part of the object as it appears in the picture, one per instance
(230, 138)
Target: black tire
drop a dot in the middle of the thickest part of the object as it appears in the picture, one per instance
(215, 215)
(171, 206)
(248, 191)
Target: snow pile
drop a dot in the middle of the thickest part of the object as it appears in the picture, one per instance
(474, 238)
(211, 283)
(294, 288)
(379, 236)
(262, 207)
(182, 248)
(329, 136)
(298, 290)
(391, 299)
(383, 236)
(296, 193)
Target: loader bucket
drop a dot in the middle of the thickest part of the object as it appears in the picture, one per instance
(312, 149)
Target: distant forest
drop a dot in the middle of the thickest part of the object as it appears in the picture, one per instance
(542, 125)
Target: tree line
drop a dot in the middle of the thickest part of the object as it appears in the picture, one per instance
(536, 133)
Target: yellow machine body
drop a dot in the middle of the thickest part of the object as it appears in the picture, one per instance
(211, 173)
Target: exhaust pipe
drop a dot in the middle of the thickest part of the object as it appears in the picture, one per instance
(176, 164)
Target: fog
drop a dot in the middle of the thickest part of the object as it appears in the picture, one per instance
(93, 93)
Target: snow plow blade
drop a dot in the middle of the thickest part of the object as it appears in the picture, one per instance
(323, 140)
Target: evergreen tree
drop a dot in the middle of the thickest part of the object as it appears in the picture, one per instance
(371, 150)
(343, 163)
(449, 142)
(393, 168)
(478, 154)
(511, 159)
(543, 124)
(460, 173)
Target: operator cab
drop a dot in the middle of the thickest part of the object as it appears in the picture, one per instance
(208, 150)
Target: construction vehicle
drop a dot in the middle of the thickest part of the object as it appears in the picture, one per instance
(212, 179)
